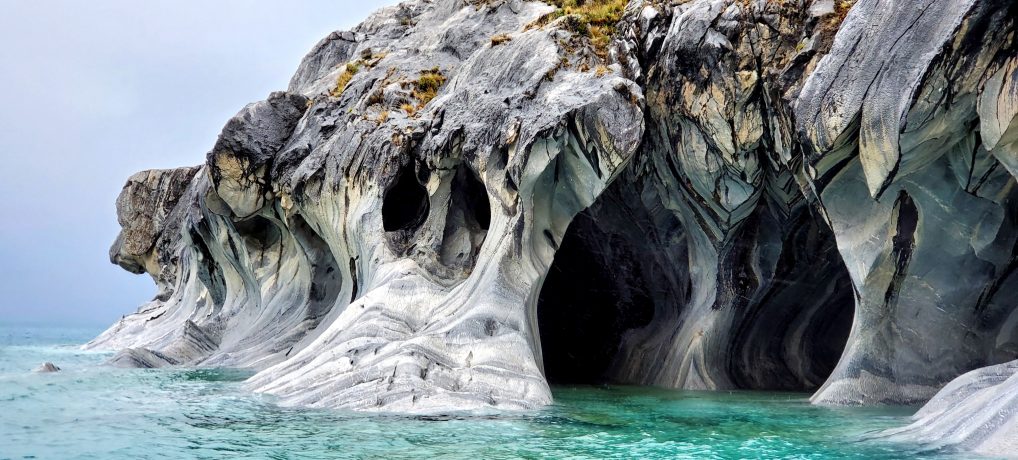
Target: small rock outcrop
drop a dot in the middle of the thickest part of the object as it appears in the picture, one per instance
(458, 202)
(140, 358)
(46, 368)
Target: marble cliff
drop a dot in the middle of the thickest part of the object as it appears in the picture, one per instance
(460, 201)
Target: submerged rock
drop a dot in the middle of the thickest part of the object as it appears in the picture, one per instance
(46, 367)
(456, 202)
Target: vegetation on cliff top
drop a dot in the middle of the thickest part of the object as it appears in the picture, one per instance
(368, 59)
(424, 89)
(595, 19)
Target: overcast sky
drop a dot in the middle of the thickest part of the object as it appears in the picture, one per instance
(93, 91)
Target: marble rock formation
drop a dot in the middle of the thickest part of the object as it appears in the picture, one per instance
(975, 411)
(458, 202)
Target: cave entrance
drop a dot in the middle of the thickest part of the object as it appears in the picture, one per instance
(588, 302)
(405, 204)
(794, 329)
(610, 308)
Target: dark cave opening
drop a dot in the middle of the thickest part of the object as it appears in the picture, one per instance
(258, 232)
(405, 205)
(617, 287)
(261, 238)
(795, 327)
(589, 300)
(469, 194)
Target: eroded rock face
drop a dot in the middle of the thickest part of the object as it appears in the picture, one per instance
(771, 195)
(931, 254)
(380, 242)
(975, 411)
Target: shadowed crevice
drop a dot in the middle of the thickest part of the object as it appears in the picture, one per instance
(795, 328)
(466, 221)
(326, 278)
(405, 205)
(209, 272)
(902, 245)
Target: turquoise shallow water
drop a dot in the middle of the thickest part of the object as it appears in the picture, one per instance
(91, 411)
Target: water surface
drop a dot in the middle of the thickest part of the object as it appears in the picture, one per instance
(96, 412)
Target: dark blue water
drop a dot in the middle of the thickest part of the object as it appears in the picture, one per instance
(91, 411)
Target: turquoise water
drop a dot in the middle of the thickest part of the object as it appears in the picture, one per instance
(91, 411)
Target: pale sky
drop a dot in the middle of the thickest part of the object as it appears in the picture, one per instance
(93, 91)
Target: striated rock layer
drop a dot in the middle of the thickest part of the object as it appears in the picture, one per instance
(976, 412)
(459, 201)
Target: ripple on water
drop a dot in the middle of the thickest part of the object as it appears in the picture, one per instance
(90, 411)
